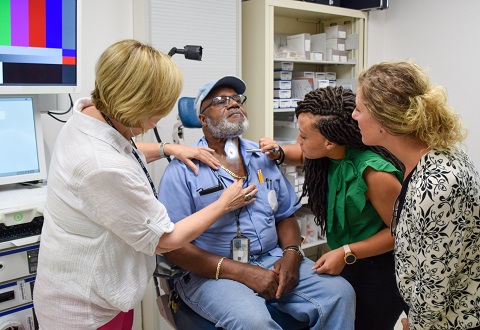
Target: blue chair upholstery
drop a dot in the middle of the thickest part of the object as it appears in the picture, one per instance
(187, 113)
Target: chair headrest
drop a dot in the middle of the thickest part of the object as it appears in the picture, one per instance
(187, 113)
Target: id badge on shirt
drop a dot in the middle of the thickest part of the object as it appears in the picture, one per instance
(240, 247)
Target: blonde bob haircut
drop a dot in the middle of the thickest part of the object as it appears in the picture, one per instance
(400, 98)
(134, 82)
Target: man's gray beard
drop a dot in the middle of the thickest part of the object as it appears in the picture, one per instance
(226, 130)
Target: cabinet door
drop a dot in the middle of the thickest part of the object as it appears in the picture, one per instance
(262, 22)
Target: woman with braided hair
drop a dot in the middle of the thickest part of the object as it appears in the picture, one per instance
(351, 190)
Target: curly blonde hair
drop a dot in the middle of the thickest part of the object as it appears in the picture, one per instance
(134, 82)
(400, 98)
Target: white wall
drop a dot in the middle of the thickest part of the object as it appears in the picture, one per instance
(440, 35)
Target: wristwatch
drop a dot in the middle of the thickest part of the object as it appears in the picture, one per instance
(349, 257)
(161, 149)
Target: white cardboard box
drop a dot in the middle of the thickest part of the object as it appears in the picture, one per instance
(300, 43)
(294, 102)
(330, 75)
(320, 75)
(336, 43)
(336, 31)
(351, 42)
(314, 56)
(335, 55)
(322, 83)
(276, 103)
(282, 84)
(282, 75)
(306, 74)
(283, 66)
(282, 93)
(318, 43)
(285, 103)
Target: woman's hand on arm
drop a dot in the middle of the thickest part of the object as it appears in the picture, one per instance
(186, 154)
(151, 150)
(293, 152)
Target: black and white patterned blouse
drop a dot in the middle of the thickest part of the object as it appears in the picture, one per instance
(437, 245)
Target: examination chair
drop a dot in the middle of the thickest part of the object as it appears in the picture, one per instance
(170, 305)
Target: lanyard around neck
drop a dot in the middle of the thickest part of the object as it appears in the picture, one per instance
(137, 157)
(237, 211)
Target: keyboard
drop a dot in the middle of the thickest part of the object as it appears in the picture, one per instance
(16, 197)
(9, 233)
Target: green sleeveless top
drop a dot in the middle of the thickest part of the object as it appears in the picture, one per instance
(350, 217)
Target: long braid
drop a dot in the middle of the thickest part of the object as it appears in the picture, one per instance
(334, 107)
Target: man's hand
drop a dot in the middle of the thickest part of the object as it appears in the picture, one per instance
(263, 281)
(405, 324)
(287, 268)
(331, 263)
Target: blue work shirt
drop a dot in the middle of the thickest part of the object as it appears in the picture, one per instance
(180, 190)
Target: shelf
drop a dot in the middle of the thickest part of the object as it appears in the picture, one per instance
(305, 61)
(312, 244)
(261, 21)
(283, 109)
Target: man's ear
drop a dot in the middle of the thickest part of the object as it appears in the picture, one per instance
(202, 119)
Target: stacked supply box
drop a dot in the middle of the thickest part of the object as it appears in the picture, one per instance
(282, 85)
(318, 46)
(336, 43)
(300, 43)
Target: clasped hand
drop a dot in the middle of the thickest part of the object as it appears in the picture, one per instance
(273, 283)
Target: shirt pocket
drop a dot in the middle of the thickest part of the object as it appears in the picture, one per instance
(266, 202)
(205, 200)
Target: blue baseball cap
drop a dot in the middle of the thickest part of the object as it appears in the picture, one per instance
(228, 81)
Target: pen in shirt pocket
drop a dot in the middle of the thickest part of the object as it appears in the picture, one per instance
(260, 175)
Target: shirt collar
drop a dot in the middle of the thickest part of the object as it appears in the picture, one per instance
(98, 129)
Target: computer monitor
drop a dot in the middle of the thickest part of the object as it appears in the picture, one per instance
(39, 46)
(21, 140)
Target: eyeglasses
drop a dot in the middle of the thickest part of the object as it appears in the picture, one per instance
(221, 102)
(394, 220)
